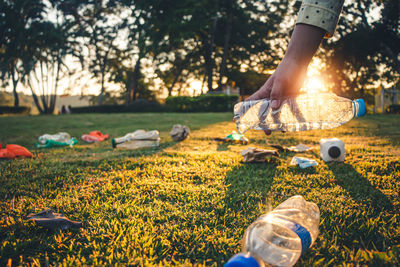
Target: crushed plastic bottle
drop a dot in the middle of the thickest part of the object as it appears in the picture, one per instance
(279, 237)
(305, 112)
(136, 140)
(58, 137)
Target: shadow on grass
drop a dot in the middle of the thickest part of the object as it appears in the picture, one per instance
(248, 189)
(359, 188)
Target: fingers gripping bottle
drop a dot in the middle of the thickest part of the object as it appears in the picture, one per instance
(304, 112)
(279, 237)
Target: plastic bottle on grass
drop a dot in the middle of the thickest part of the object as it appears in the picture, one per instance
(58, 137)
(304, 112)
(136, 140)
(279, 237)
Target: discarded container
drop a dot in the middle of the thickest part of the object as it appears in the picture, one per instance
(279, 237)
(303, 162)
(332, 150)
(51, 143)
(58, 137)
(137, 139)
(305, 112)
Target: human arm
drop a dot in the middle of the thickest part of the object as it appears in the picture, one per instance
(316, 19)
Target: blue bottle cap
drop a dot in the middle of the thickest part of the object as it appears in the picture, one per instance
(360, 107)
(242, 260)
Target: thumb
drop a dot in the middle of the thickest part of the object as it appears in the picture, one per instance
(276, 94)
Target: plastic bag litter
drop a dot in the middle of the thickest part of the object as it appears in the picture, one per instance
(49, 219)
(94, 136)
(12, 151)
(179, 132)
(303, 162)
(252, 154)
(137, 139)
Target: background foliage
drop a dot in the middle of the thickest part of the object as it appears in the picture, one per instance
(217, 42)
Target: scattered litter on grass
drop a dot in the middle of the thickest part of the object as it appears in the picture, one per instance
(137, 139)
(94, 136)
(58, 137)
(51, 143)
(303, 162)
(179, 132)
(332, 150)
(49, 219)
(234, 137)
(14, 151)
(252, 154)
(298, 148)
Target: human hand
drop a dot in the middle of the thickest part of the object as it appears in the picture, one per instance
(289, 76)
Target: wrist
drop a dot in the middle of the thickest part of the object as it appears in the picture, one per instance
(304, 43)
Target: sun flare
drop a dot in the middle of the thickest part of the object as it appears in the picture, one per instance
(314, 84)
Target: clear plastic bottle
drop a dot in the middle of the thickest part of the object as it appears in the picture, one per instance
(279, 237)
(305, 112)
(137, 139)
(58, 137)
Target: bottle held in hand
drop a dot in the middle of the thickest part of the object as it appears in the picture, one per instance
(304, 112)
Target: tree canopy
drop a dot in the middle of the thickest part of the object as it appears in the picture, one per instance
(212, 41)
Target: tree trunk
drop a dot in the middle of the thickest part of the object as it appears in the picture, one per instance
(133, 84)
(15, 93)
(209, 51)
(177, 75)
(101, 96)
(228, 30)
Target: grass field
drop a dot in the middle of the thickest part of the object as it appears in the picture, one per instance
(190, 202)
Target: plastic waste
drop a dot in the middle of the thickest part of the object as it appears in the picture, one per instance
(58, 137)
(137, 139)
(51, 143)
(94, 136)
(299, 148)
(252, 154)
(332, 150)
(179, 132)
(279, 237)
(305, 112)
(14, 151)
(233, 137)
(49, 219)
(303, 162)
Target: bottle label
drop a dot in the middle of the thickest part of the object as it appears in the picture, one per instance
(303, 233)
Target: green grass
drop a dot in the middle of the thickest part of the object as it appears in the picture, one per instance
(190, 202)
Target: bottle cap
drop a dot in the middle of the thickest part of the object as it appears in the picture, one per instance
(360, 107)
(242, 260)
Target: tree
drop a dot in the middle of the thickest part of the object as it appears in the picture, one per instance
(17, 20)
(366, 51)
(50, 46)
